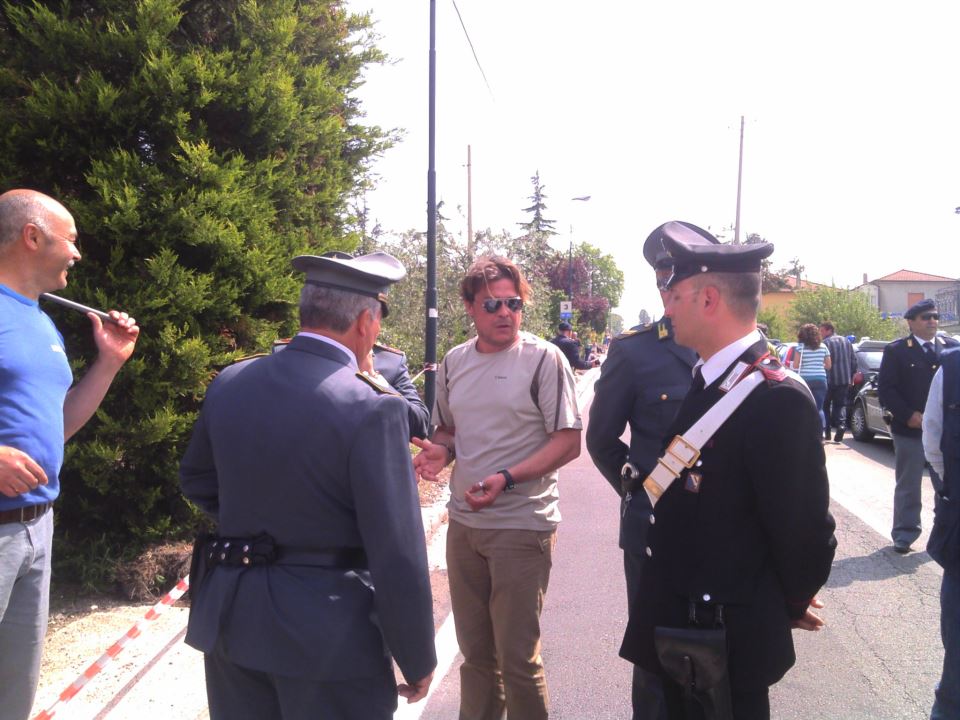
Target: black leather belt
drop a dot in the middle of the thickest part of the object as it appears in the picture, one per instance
(262, 550)
(24, 514)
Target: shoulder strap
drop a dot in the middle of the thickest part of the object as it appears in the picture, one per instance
(684, 450)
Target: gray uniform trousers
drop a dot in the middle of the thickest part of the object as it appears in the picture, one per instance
(910, 462)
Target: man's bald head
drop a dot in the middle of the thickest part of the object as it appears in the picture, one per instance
(21, 206)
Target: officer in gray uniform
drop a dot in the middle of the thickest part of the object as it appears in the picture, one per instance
(317, 575)
(390, 364)
(642, 381)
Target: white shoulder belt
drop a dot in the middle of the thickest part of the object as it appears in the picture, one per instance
(684, 450)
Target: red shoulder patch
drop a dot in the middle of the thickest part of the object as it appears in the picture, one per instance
(771, 368)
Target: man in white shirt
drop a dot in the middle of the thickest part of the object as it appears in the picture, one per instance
(941, 445)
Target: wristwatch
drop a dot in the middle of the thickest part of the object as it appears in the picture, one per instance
(509, 478)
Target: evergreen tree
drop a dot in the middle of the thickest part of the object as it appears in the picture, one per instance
(200, 144)
(538, 225)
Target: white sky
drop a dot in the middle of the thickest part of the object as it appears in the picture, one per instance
(852, 140)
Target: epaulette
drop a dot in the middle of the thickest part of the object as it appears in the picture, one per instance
(249, 357)
(381, 346)
(377, 382)
(635, 331)
(772, 369)
(279, 345)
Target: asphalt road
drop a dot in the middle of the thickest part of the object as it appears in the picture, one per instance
(878, 657)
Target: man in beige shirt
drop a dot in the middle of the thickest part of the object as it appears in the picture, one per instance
(506, 409)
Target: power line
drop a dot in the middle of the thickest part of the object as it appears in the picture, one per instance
(470, 43)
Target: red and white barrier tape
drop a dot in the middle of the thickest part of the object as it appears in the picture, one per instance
(156, 611)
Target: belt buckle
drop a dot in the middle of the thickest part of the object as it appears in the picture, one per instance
(678, 445)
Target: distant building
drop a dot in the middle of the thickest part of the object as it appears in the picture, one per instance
(780, 300)
(893, 294)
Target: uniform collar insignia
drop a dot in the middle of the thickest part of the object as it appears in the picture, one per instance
(909, 342)
(734, 376)
(662, 330)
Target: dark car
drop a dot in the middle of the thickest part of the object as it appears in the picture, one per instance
(867, 418)
(869, 354)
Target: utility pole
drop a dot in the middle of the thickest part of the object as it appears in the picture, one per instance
(469, 208)
(736, 231)
(430, 343)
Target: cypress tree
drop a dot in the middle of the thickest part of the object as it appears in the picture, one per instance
(200, 144)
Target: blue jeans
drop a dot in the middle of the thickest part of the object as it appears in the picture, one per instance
(947, 704)
(24, 602)
(819, 389)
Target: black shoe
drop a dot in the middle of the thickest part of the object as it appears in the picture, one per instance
(826, 434)
(902, 549)
(839, 436)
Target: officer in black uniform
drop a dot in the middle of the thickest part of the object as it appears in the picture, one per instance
(642, 381)
(318, 575)
(391, 364)
(571, 348)
(906, 370)
(743, 537)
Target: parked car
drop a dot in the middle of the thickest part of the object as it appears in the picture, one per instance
(869, 354)
(867, 418)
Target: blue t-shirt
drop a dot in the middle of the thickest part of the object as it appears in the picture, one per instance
(34, 378)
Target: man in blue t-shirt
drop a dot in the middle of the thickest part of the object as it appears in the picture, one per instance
(39, 411)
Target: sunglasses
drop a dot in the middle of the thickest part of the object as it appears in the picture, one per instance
(514, 304)
(930, 316)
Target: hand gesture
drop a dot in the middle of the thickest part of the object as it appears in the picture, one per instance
(483, 493)
(19, 473)
(431, 459)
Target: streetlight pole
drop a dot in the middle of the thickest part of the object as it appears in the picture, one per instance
(581, 198)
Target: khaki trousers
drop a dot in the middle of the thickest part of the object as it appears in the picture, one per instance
(498, 579)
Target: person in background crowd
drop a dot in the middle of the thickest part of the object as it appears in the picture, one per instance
(506, 409)
(907, 367)
(812, 362)
(843, 365)
(571, 348)
(941, 446)
(39, 412)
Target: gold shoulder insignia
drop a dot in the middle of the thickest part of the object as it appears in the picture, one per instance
(635, 331)
(249, 357)
(377, 382)
(909, 342)
(662, 330)
(381, 346)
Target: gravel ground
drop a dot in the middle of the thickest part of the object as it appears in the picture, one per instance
(155, 675)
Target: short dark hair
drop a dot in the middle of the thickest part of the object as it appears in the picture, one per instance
(491, 268)
(827, 325)
(740, 290)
